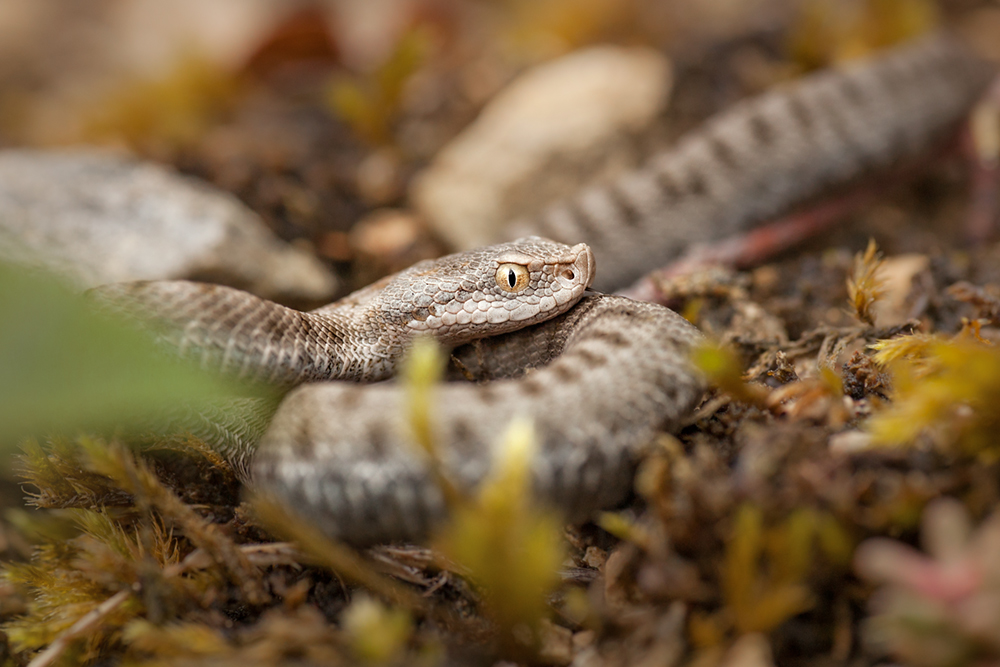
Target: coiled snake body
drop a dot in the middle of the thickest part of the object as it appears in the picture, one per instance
(597, 374)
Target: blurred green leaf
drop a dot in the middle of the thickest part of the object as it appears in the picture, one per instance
(65, 367)
(377, 634)
(510, 546)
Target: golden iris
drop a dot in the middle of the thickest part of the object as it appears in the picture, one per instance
(512, 277)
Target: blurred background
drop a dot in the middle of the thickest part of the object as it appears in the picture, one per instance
(319, 114)
(332, 120)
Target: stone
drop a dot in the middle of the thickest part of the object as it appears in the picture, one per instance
(905, 282)
(97, 218)
(554, 128)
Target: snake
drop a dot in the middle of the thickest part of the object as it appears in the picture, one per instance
(597, 375)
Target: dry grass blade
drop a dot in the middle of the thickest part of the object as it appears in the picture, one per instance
(864, 286)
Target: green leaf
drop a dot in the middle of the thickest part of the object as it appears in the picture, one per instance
(65, 367)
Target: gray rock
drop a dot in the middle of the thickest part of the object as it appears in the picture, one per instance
(96, 218)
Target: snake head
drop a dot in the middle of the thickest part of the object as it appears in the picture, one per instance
(489, 291)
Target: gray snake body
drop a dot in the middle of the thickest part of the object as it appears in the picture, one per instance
(597, 374)
(768, 153)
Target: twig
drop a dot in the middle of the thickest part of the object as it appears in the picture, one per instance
(85, 624)
(258, 555)
(753, 247)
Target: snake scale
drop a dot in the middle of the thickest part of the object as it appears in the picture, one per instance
(597, 374)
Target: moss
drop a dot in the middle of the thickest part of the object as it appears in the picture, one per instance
(945, 390)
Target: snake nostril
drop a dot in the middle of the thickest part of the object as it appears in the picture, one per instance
(568, 274)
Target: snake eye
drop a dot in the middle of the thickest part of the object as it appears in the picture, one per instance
(512, 277)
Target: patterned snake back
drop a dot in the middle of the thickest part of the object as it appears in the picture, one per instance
(764, 155)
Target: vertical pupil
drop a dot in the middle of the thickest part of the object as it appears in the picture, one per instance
(511, 278)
